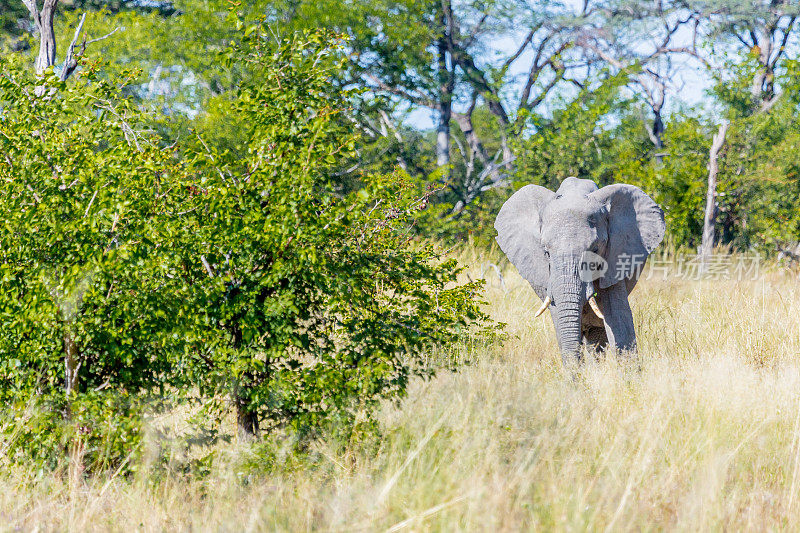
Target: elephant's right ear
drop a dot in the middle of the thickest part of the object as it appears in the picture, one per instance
(518, 228)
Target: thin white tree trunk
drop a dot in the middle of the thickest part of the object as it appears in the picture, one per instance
(443, 136)
(46, 58)
(72, 363)
(710, 218)
(445, 107)
(445, 73)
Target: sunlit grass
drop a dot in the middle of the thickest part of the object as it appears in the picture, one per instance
(705, 436)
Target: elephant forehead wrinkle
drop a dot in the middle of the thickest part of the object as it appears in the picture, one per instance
(556, 220)
(566, 232)
(579, 209)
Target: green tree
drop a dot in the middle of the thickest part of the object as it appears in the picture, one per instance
(137, 274)
(309, 305)
(758, 180)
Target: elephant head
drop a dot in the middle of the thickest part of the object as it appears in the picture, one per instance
(554, 240)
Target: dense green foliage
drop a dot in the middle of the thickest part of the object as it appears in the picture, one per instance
(83, 203)
(209, 273)
(314, 303)
(12, 22)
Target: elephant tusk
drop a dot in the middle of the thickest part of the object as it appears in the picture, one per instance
(544, 307)
(596, 308)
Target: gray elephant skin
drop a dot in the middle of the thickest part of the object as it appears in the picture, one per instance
(551, 236)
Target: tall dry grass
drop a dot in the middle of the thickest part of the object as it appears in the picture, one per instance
(705, 436)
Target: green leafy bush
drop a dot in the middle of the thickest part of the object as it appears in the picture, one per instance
(137, 274)
(314, 304)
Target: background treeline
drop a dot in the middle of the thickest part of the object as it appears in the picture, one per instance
(520, 91)
(223, 203)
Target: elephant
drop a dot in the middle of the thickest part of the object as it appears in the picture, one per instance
(582, 249)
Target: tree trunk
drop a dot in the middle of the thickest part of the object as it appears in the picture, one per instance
(762, 88)
(47, 36)
(246, 420)
(657, 136)
(443, 136)
(757, 87)
(71, 363)
(473, 185)
(710, 218)
(478, 80)
(505, 126)
(445, 103)
(246, 416)
(47, 39)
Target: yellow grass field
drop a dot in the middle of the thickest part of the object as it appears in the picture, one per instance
(705, 437)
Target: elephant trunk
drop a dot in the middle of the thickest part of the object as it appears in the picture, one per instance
(569, 295)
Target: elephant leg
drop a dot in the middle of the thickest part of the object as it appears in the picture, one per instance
(618, 317)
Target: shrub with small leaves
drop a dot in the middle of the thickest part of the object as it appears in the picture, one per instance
(311, 304)
(135, 274)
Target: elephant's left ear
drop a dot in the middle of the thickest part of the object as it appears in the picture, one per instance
(635, 227)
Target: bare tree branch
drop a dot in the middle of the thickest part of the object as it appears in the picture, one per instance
(417, 99)
(70, 62)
